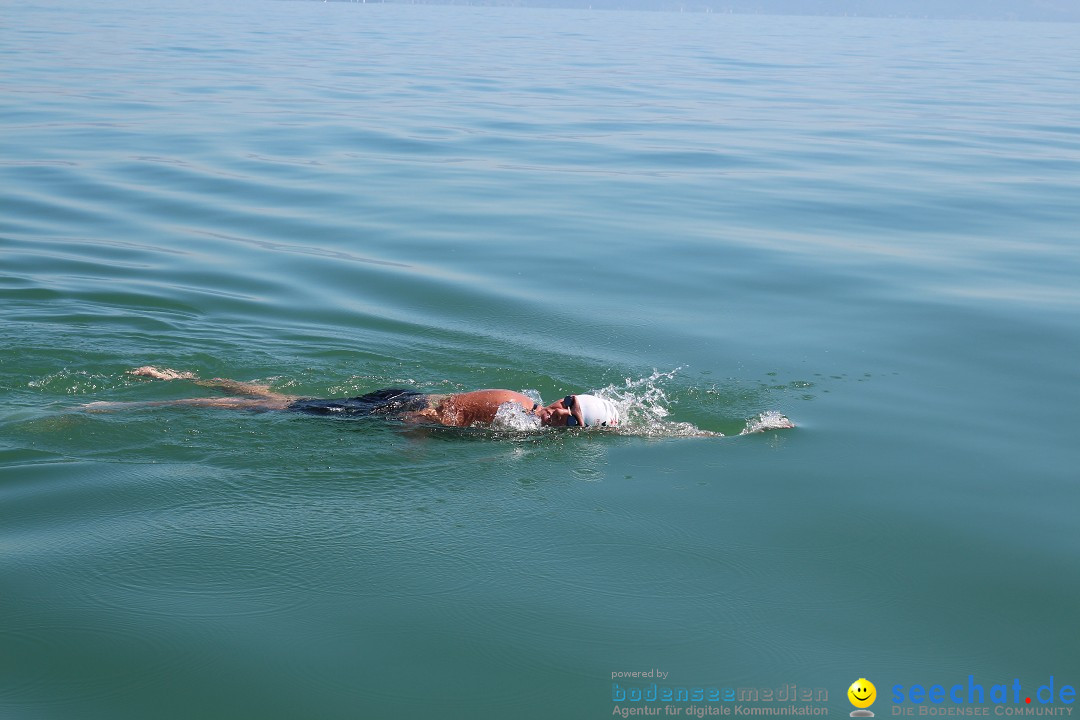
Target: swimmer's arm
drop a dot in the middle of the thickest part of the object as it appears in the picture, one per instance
(236, 386)
(233, 386)
(425, 416)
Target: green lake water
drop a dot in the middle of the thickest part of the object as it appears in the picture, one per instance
(869, 226)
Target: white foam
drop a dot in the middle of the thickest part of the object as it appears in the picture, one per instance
(768, 420)
(511, 416)
(643, 408)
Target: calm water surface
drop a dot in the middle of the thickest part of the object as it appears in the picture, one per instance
(867, 225)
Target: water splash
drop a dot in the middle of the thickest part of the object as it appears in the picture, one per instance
(768, 420)
(643, 408)
(73, 382)
(643, 405)
(511, 416)
(534, 395)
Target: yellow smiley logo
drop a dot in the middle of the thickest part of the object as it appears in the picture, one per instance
(862, 693)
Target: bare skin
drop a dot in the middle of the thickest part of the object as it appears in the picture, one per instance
(477, 407)
(458, 410)
(556, 413)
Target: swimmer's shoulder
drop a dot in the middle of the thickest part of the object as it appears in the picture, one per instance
(494, 395)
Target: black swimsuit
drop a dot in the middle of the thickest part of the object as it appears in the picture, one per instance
(389, 401)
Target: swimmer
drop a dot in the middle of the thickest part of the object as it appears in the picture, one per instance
(579, 411)
(457, 410)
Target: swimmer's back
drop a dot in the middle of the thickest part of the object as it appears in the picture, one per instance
(479, 406)
(460, 410)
